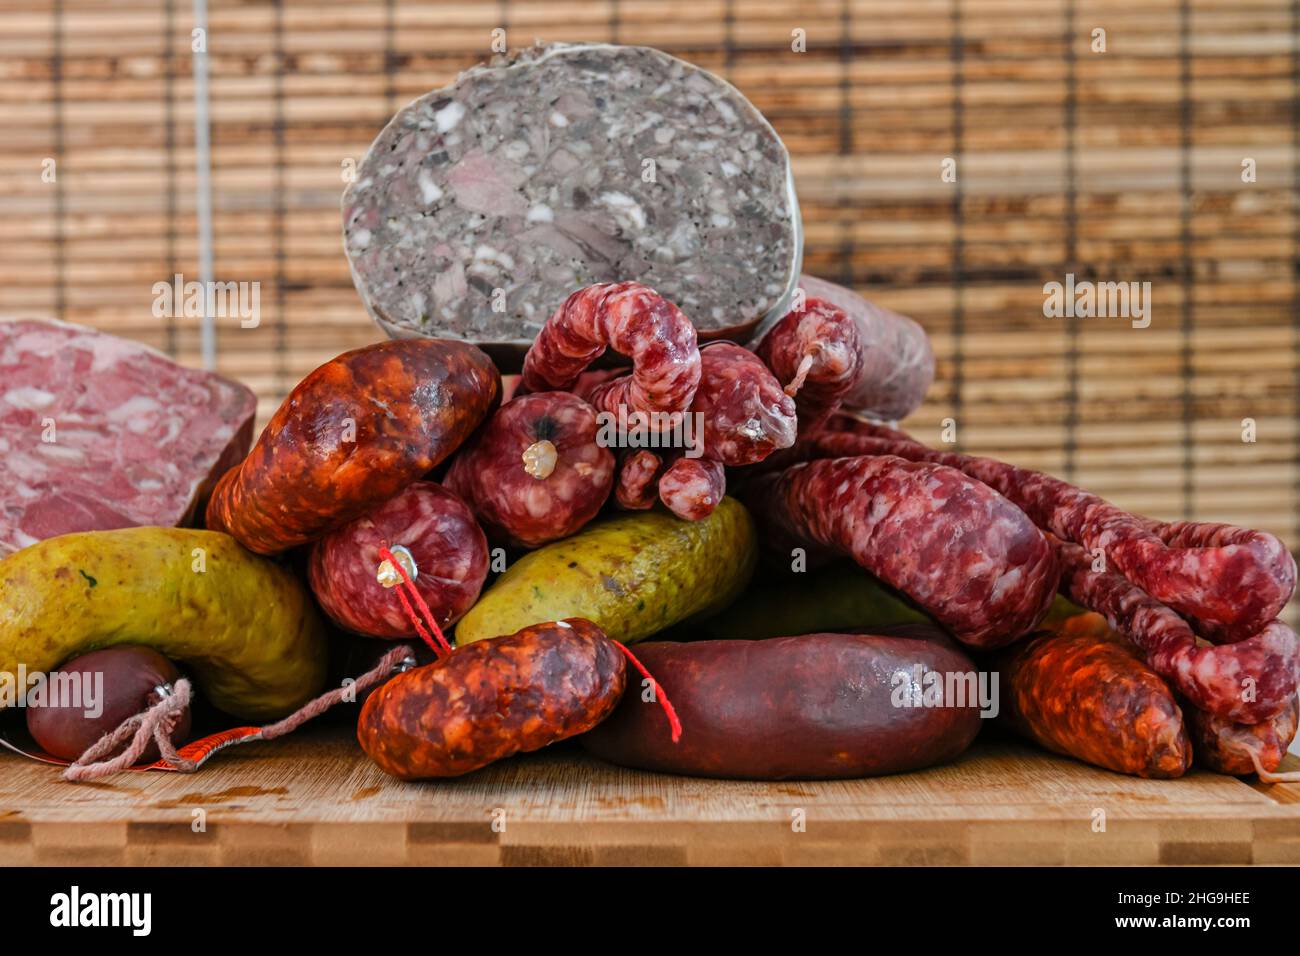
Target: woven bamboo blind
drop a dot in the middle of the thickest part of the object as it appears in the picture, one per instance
(1123, 165)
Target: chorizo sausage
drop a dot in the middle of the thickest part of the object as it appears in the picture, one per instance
(898, 362)
(535, 472)
(1241, 749)
(493, 698)
(817, 352)
(424, 524)
(746, 413)
(964, 554)
(692, 487)
(352, 434)
(819, 706)
(1245, 682)
(634, 320)
(1082, 690)
(638, 479)
(1232, 579)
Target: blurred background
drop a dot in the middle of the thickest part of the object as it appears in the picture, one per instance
(1126, 160)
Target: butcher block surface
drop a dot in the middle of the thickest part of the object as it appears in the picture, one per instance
(315, 799)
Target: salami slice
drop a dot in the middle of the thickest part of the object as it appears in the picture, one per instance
(482, 205)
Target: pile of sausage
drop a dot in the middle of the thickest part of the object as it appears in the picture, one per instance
(980, 546)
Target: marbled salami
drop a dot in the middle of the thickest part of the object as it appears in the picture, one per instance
(692, 487)
(1234, 580)
(967, 556)
(535, 472)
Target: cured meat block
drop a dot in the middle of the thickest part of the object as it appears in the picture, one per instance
(97, 432)
(483, 205)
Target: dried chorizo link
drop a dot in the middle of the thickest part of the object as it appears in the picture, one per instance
(535, 472)
(635, 321)
(1084, 691)
(638, 479)
(962, 552)
(1240, 749)
(1234, 580)
(746, 413)
(692, 487)
(425, 525)
(493, 698)
(352, 434)
(817, 353)
(1244, 682)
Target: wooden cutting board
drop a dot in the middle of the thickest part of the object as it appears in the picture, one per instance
(315, 799)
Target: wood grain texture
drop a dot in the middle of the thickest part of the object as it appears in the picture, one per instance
(315, 799)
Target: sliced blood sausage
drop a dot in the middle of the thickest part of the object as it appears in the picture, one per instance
(565, 165)
(424, 524)
(493, 698)
(352, 434)
(818, 706)
(1241, 749)
(1245, 682)
(1233, 579)
(898, 362)
(964, 554)
(632, 319)
(1082, 690)
(535, 472)
(98, 433)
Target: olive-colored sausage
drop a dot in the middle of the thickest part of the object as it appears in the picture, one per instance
(820, 706)
(352, 434)
(494, 698)
(1084, 691)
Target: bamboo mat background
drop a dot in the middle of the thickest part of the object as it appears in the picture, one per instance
(1116, 166)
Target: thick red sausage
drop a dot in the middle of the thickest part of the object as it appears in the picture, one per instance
(448, 562)
(535, 472)
(1245, 682)
(1233, 579)
(964, 554)
(351, 435)
(1082, 690)
(898, 363)
(692, 487)
(493, 698)
(817, 352)
(819, 706)
(1241, 749)
(631, 319)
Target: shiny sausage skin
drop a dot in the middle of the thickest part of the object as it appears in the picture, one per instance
(964, 554)
(493, 698)
(818, 706)
(638, 480)
(817, 352)
(535, 472)
(692, 487)
(1084, 691)
(1245, 682)
(1233, 579)
(1225, 747)
(352, 434)
(746, 413)
(633, 320)
(448, 547)
(898, 362)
